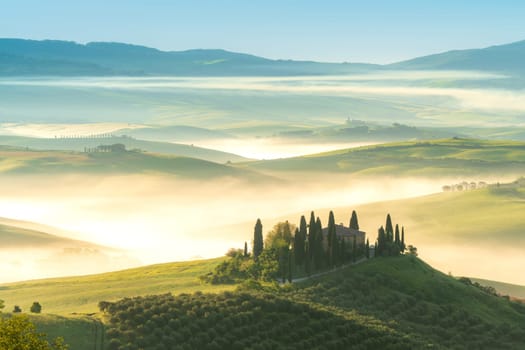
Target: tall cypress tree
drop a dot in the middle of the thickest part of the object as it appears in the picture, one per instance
(367, 249)
(389, 229)
(319, 252)
(397, 241)
(257, 239)
(312, 228)
(381, 242)
(300, 250)
(245, 249)
(307, 261)
(354, 224)
(331, 239)
(297, 246)
(403, 247)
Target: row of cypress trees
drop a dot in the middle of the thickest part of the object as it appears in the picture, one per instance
(390, 241)
(308, 248)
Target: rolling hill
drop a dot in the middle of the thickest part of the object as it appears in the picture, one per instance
(22, 234)
(15, 160)
(81, 294)
(390, 303)
(433, 159)
(385, 303)
(80, 144)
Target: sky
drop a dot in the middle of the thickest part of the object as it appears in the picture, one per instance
(374, 31)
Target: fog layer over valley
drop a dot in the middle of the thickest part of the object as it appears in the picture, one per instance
(161, 218)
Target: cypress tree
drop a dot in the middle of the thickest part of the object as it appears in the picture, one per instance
(354, 224)
(318, 245)
(389, 229)
(296, 245)
(381, 242)
(312, 228)
(367, 249)
(397, 241)
(403, 247)
(245, 249)
(300, 251)
(331, 239)
(307, 261)
(289, 266)
(257, 239)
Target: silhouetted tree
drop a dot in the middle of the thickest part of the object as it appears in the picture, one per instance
(331, 239)
(245, 249)
(312, 228)
(389, 229)
(299, 242)
(319, 254)
(354, 224)
(36, 308)
(381, 242)
(367, 249)
(257, 239)
(403, 247)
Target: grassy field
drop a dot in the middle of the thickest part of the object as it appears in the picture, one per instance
(433, 159)
(68, 295)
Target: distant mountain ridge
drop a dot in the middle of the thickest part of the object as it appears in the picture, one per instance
(66, 58)
(52, 57)
(501, 58)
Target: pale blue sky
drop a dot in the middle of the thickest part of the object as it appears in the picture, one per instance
(376, 31)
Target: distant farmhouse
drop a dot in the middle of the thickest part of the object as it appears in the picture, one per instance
(346, 233)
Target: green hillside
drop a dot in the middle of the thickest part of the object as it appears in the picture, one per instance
(81, 294)
(386, 303)
(436, 158)
(79, 144)
(23, 161)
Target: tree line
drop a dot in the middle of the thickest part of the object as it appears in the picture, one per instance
(289, 251)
